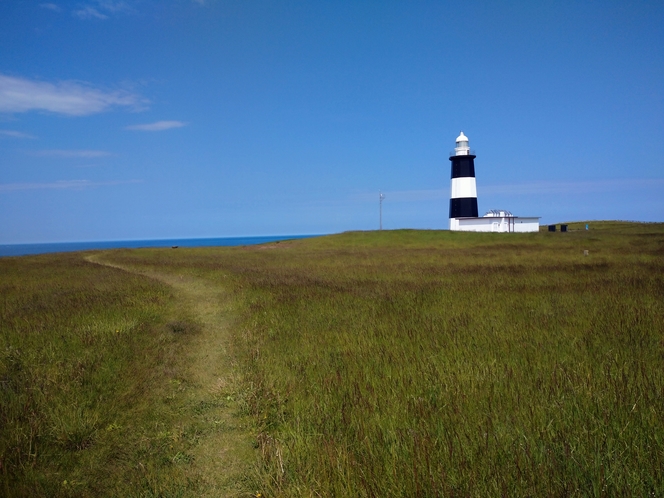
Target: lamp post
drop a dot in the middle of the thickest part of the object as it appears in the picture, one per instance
(381, 196)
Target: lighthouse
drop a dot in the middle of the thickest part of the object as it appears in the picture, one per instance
(463, 196)
(463, 199)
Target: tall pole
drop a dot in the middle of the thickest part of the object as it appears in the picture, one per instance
(381, 196)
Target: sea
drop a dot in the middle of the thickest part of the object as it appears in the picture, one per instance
(25, 249)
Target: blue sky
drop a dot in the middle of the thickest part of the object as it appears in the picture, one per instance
(143, 119)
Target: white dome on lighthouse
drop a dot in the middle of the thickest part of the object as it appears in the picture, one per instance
(462, 148)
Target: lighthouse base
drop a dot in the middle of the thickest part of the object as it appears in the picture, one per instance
(495, 224)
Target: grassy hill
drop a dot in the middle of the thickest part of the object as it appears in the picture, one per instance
(394, 363)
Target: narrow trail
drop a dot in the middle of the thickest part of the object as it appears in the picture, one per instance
(223, 452)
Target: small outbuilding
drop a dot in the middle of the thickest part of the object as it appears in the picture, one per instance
(498, 220)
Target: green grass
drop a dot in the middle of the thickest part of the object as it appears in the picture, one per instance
(429, 363)
(92, 382)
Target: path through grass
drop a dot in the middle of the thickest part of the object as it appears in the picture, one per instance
(396, 363)
(424, 363)
(224, 451)
(116, 383)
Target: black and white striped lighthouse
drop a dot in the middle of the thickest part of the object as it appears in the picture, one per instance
(463, 196)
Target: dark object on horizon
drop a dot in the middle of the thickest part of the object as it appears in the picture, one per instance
(563, 228)
(552, 228)
(174, 247)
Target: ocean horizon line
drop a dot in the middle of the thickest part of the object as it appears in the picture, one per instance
(10, 250)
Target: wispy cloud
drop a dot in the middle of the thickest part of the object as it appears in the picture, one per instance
(101, 9)
(534, 188)
(157, 126)
(15, 134)
(89, 12)
(50, 6)
(66, 97)
(69, 154)
(62, 185)
(115, 5)
(405, 195)
(581, 187)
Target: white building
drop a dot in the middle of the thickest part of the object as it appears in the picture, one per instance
(497, 221)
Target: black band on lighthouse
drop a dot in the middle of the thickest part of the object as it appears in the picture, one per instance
(463, 207)
(463, 166)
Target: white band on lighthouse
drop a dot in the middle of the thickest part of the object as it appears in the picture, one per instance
(463, 187)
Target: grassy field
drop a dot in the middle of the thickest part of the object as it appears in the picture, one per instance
(102, 385)
(395, 363)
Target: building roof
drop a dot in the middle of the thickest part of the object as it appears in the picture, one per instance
(498, 213)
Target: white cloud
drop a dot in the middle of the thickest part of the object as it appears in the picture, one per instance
(50, 6)
(102, 9)
(405, 195)
(157, 126)
(67, 97)
(89, 12)
(583, 187)
(15, 134)
(68, 154)
(114, 6)
(62, 185)
(535, 188)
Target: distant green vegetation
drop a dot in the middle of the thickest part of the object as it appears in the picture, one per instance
(416, 363)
